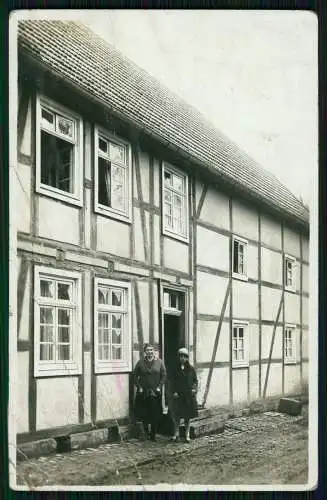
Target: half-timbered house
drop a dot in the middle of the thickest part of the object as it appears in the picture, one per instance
(137, 221)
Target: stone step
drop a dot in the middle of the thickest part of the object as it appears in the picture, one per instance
(290, 406)
(205, 426)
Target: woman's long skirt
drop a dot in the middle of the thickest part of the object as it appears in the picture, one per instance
(148, 408)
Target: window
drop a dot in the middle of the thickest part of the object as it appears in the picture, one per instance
(289, 273)
(58, 333)
(112, 339)
(59, 165)
(239, 258)
(112, 176)
(290, 344)
(174, 205)
(172, 301)
(240, 355)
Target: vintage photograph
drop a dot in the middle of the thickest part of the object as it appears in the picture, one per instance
(163, 250)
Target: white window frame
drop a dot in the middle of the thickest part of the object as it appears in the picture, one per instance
(242, 276)
(103, 209)
(245, 362)
(114, 366)
(289, 360)
(59, 368)
(76, 197)
(292, 287)
(168, 231)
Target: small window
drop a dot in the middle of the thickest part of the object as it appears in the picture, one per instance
(289, 273)
(59, 164)
(112, 341)
(239, 258)
(240, 344)
(112, 176)
(174, 203)
(172, 300)
(57, 319)
(290, 344)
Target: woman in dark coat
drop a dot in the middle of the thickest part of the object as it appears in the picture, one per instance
(184, 385)
(149, 377)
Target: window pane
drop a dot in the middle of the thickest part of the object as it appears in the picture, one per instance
(118, 188)
(177, 200)
(63, 316)
(116, 320)
(234, 343)
(56, 162)
(103, 296)
(103, 320)
(116, 352)
(173, 300)
(65, 126)
(241, 355)
(103, 145)
(241, 332)
(105, 352)
(104, 182)
(167, 178)
(46, 288)
(177, 225)
(63, 334)
(46, 315)
(168, 209)
(64, 352)
(178, 183)
(46, 352)
(116, 336)
(235, 332)
(235, 354)
(117, 153)
(166, 299)
(167, 195)
(47, 119)
(117, 298)
(168, 221)
(46, 333)
(235, 257)
(64, 291)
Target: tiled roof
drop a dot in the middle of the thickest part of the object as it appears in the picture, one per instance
(79, 56)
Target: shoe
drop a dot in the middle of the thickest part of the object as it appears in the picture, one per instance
(187, 440)
(174, 439)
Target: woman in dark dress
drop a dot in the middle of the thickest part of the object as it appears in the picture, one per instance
(184, 385)
(149, 377)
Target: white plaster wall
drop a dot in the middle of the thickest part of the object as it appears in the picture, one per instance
(145, 179)
(212, 249)
(156, 230)
(271, 266)
(176, 255)
(305, 249)
(305, 275)
(155, 326)
(291, 242)
(27, 133)
(87, 301)
(292, 308)
(198, 192)
(305, 345)
(112, 396)
(138, 235)
(252, 261)
(211, 292)
(24, 330)
(58, 221)
(292, 380)
(143, 288)
(206, 334)
(245, 221)
(215, 209)
(112, 236)
(266, 338)
(271, 233)
(245, 300)
(157, 174)
(254, 382)
(274, 385)
(21, 389)
(219, 387)
(305, 372)
(56, 402)
(87, 386)
(270, 303)
(253, 341)
(305, 310)
(22, 197)
(240, 385)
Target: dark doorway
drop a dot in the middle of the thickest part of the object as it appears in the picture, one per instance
(172, 340)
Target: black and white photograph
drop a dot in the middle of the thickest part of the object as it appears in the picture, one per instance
(163, 262)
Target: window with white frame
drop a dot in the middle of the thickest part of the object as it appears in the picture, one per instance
(174, 205)
(239, 258)
(59, 164)
(57, 317)
(289, 344)
(289, 272)
(112, 176)
(240, 356)
(112, 337)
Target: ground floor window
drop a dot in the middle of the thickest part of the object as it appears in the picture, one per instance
(57, 318)
(240, 341)
(112, 326)
(290, 344)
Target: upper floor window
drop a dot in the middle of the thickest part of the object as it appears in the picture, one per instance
(239, 258)
(112, 339)
(112, 176)
(240, 356)
(58, 335)
(59, 166)
(174, 205)
(289, 273)
(289, 344)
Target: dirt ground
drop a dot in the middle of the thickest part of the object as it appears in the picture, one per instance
(272, 456)
(268, 448)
